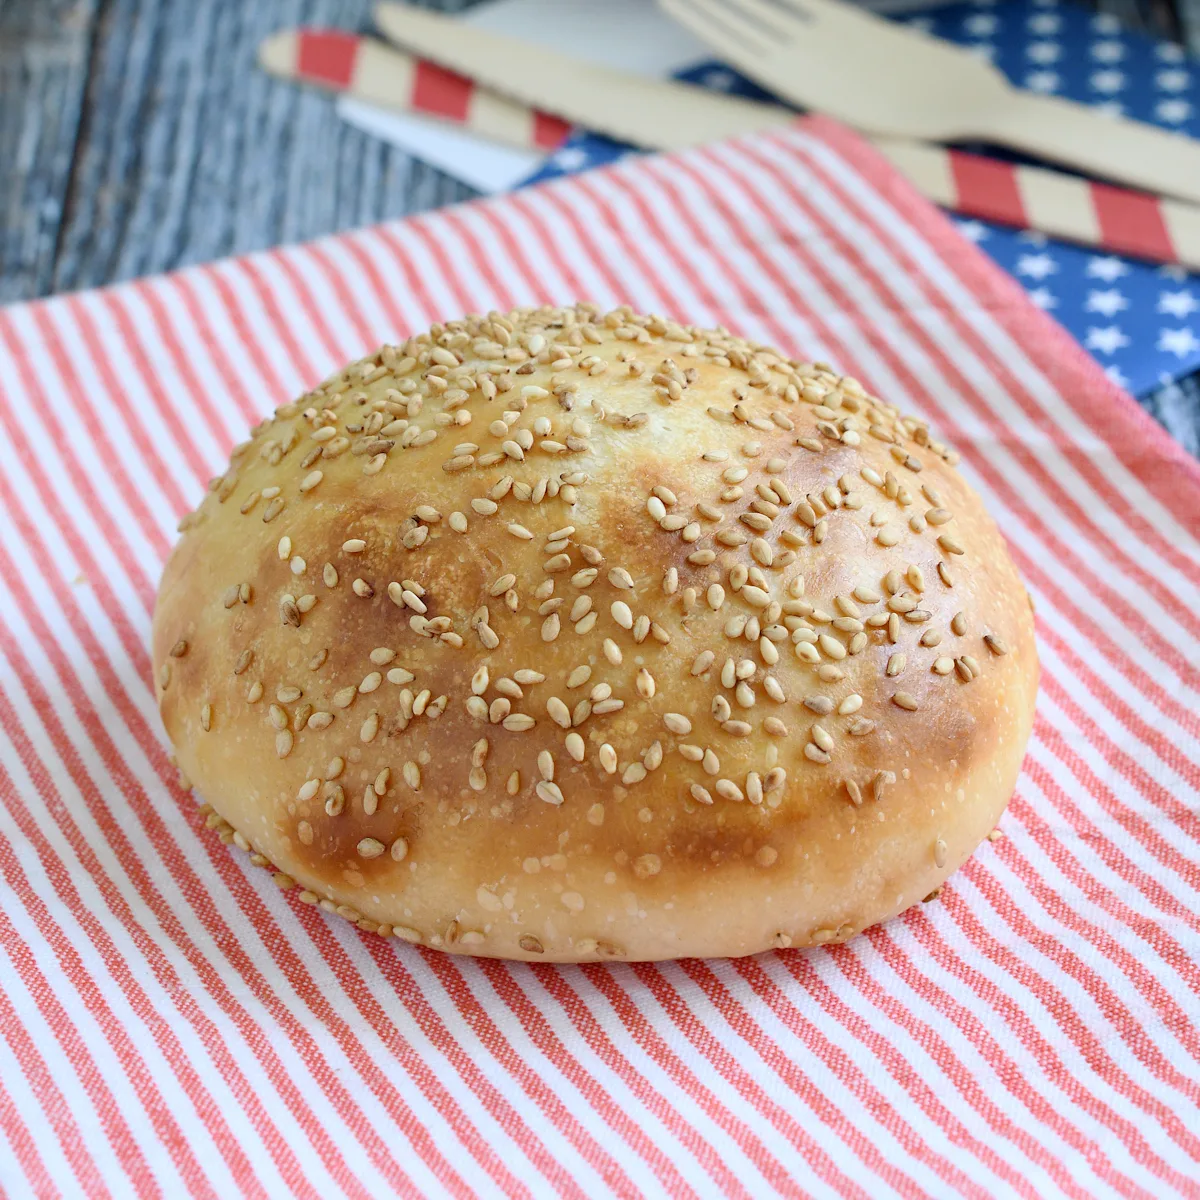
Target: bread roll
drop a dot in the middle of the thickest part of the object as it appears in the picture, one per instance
(568, 635)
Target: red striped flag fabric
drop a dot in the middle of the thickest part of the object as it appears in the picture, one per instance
(174, 1022)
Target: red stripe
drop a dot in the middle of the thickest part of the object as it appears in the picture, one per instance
(986, 187)
(510, 986)
(327, 56)
(652, 1042)
(1132, 223)
(24, 1150)
(951, 1007)
(968, 1085)
(1169, 950)
(1069, 1020)
(549, 132)
(66, 1032)
(56, 1112)
(440, 92)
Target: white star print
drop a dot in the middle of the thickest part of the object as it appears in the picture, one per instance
(1180, 342)
(1044, 298)
(1036, 266)
(1107, 303)
(721, 81)
(1031, 237)
(1108, 339)
(1117, 376)
(1169, 52)
(980, 25)
(1172, 80)
(973, 231)
(1108, 81)
(1108, 52)
(1042, 81)
(570, 158)
(1178, 304)
(1105, 23)
(1110, 108)
(984, 50)
(1173, 110)
(1044, 23)
(1107, 268)
(1044, 52)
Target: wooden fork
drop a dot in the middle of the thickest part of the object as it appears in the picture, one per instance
(887, 79)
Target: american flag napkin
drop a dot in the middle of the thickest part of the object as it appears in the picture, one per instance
(174, 1021)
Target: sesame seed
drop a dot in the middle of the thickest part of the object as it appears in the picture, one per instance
(551, 793)
(677, 723)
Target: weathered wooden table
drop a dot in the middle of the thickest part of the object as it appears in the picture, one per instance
(139, 135)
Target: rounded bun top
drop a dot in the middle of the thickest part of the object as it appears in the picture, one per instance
(565, 634)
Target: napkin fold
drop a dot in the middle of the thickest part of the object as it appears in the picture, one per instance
(173, 1020)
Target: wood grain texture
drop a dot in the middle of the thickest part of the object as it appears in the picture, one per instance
(146, 139)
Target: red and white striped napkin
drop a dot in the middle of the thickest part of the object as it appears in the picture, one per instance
(172, 1023)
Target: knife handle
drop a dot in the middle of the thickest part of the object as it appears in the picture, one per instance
(1127, 152)
(369, 70)
(1051, 202)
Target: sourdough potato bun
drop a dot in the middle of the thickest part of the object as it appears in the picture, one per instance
(568, 635)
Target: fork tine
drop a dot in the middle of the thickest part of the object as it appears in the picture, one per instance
(711, 21)
(768, 16)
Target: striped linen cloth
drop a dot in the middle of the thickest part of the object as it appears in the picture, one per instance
(174, 1023)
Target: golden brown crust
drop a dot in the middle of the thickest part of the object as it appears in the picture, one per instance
(563, 635)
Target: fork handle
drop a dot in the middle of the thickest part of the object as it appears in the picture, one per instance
(1130, 152)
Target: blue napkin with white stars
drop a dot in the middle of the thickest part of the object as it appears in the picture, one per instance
(1140, 321)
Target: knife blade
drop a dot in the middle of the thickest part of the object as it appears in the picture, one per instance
(656, 114)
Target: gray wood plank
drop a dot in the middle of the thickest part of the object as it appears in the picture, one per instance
(44, 53)
(187, 152)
